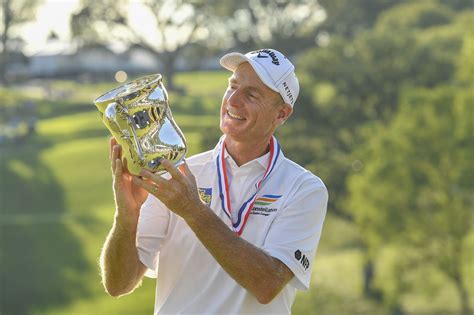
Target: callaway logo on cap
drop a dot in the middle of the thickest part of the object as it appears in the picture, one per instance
(273, 68)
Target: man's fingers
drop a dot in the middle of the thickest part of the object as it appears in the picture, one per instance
(118, 169)
(115, 152)
(184, 168)
(112, 142)
(150, 187)
(119, 151)
(114, 156)
(125, 165)
(174, 172)
(153, 177)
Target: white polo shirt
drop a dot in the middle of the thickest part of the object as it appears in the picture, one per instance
(286, 222)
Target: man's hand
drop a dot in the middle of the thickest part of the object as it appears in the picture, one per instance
(179, 193)
(128, 196)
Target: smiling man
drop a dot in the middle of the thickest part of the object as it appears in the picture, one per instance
(235, 229)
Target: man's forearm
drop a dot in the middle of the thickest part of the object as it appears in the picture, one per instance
(255, 270)
(120, 266)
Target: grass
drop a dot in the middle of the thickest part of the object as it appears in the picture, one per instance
(57, 208)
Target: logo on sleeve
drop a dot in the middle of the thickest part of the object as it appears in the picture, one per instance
(304, 261)
(206, 195)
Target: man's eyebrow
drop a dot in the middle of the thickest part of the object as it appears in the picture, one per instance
(232, 80)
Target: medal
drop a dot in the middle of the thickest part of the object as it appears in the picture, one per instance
(244, 211)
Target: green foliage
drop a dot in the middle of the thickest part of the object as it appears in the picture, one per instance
(414, 15)
(353, 82)
(416, 184)
(426, 152)
(376, 114)
(465, 61)
(348, 18)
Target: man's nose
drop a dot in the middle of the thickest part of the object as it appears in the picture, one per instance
(234, 98)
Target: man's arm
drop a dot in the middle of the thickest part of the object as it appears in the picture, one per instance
(120, 266)
(261, 274)
(255, 270)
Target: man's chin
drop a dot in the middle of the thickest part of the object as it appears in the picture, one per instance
(235, 133)
(233, 126)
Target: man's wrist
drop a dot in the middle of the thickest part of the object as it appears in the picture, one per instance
(199, 209)
(125, 224)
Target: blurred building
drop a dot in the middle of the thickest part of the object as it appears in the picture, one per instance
(60, 59)
(66, 60)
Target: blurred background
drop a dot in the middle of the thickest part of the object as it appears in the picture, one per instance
(384, 117)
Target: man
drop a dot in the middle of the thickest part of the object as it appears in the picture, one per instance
(235, 229)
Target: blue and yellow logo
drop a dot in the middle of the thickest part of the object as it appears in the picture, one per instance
(206, 195)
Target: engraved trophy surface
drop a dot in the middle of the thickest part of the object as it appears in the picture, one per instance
(139, 117)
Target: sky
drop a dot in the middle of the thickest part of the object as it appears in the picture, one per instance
(54, 15)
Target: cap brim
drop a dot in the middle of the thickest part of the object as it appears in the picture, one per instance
(231, 61)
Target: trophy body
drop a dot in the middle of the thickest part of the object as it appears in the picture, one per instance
(139, 117)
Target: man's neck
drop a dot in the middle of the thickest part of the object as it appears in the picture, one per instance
(243, 152)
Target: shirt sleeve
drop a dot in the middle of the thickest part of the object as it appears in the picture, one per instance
(152, 230)
(294, 235)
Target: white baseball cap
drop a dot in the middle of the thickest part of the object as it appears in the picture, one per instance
(273, 68)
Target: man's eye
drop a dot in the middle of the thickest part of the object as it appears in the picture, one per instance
(253, 96)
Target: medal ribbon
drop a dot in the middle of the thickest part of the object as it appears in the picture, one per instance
(224, 193)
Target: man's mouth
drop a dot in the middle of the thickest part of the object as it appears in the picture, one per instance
(235, 116)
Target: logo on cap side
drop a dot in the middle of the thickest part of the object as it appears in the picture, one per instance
(288, 92)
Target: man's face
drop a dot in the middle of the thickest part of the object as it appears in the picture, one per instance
(250, 110)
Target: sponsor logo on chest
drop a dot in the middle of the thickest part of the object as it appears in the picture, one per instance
(263, 205)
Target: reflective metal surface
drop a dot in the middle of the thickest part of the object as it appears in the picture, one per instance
(139, 117)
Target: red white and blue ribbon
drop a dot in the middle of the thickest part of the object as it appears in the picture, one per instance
(224, 191)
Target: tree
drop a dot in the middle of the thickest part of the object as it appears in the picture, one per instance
(13, 14)
(289, 26)
(348, 18)
(352, 82)
(357, 81)
(415, 188)
(177, 24)
(219, 25)
(416, 185)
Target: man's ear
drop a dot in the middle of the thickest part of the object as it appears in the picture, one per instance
(284, 113)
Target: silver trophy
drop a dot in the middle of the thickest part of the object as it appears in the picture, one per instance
(139, 117)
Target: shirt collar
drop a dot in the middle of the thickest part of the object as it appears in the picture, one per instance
(261, 160)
